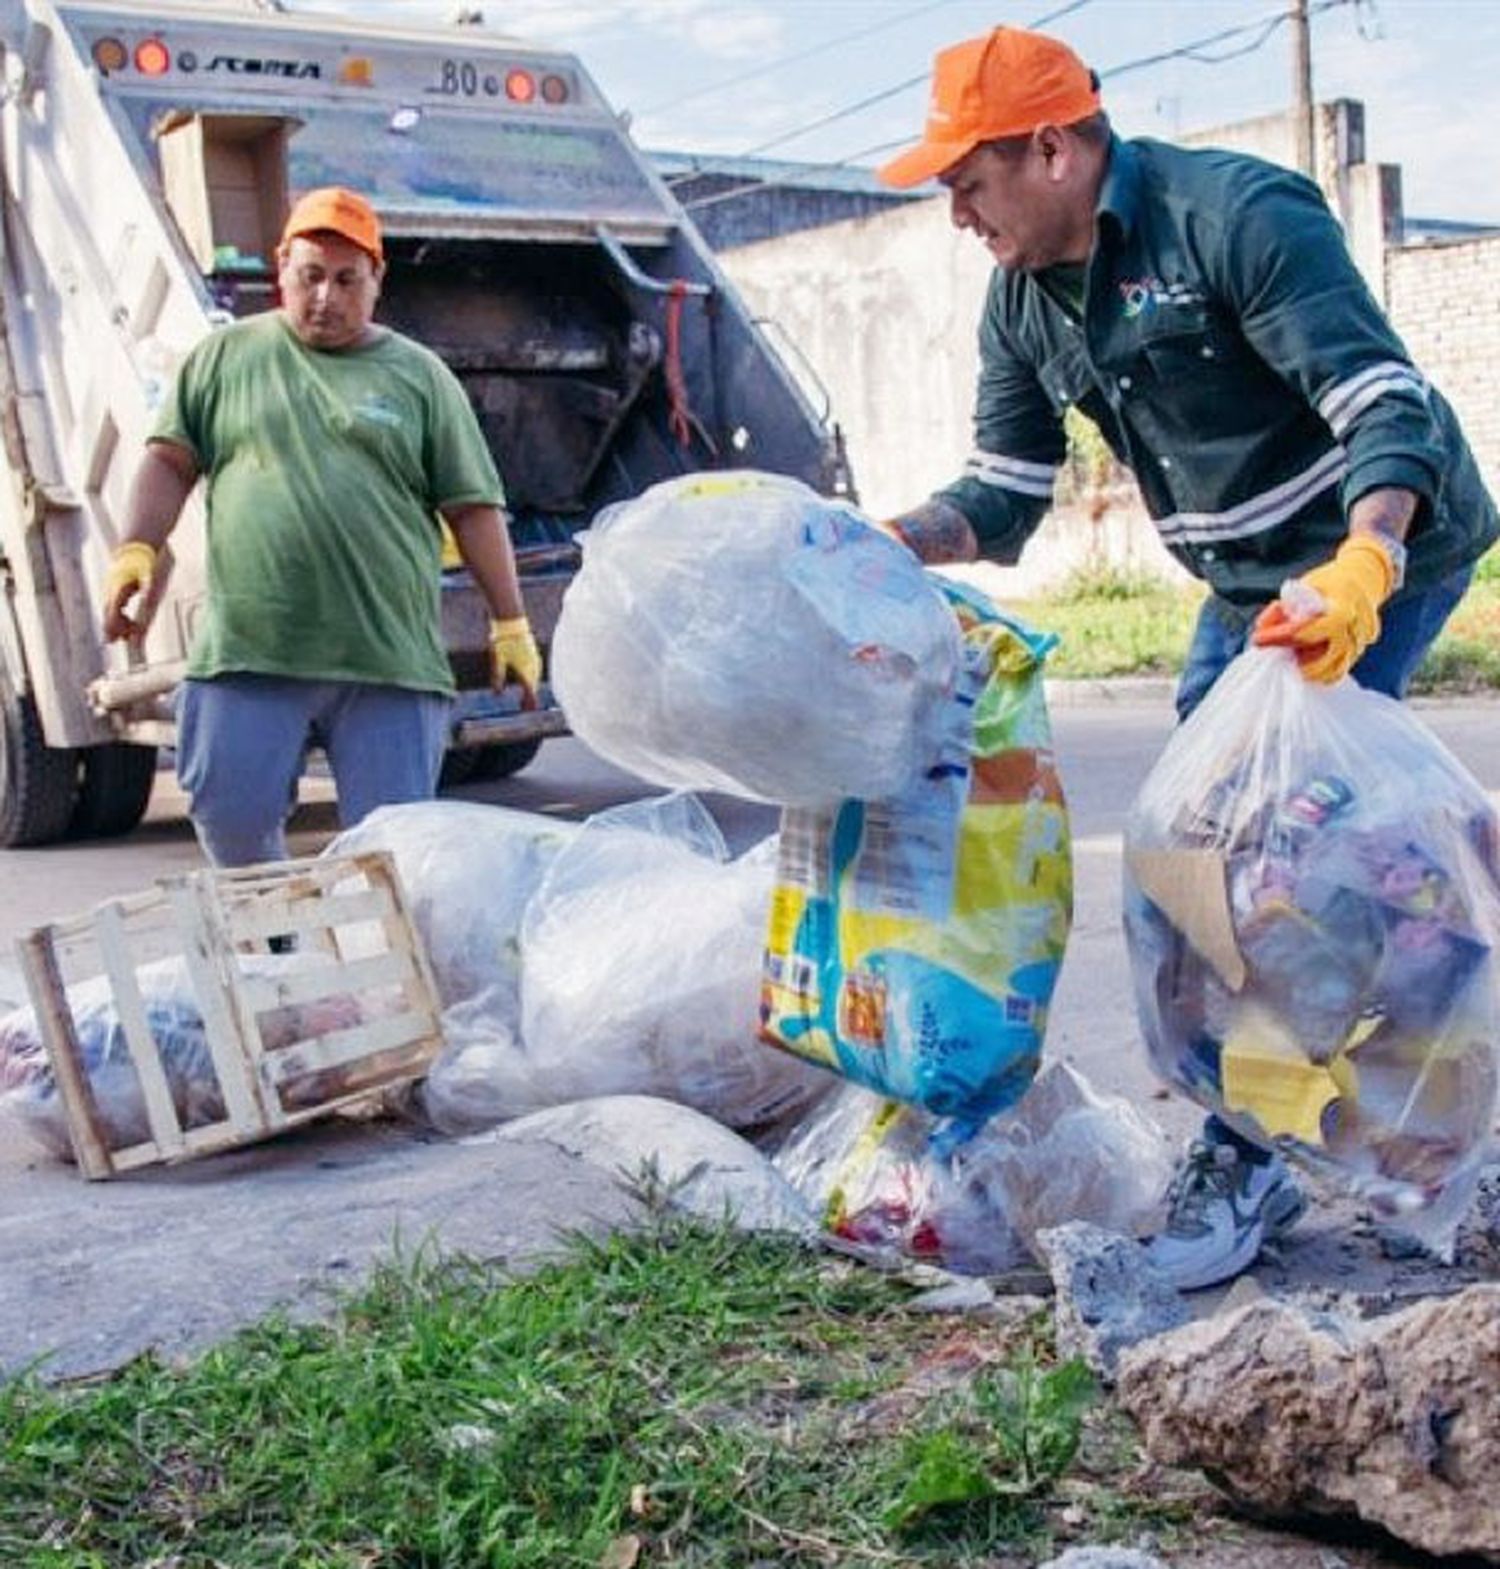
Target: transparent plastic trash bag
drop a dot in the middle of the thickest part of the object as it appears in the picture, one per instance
(28, 1086)
(1312, 903)
(468, 872)
(640, 962)
(740, 632)
(884, 1175)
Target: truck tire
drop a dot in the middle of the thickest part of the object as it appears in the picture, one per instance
(502, 759)
(114, 788)
(38, 783)
(499, 760)
(458, 767)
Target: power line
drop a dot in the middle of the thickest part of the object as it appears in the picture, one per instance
(1264, 28)
(766, 67)
(889, 92)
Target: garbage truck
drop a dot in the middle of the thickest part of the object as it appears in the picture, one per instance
(150, 154)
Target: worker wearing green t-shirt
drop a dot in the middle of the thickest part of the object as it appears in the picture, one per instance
(330, 447)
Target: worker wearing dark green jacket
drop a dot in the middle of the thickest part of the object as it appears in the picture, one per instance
(1203, 310)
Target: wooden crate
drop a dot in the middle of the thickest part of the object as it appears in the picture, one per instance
(357, 952)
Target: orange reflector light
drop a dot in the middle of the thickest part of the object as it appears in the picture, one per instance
(152, 57)
(554, 90)
(357, 71)
(110, 55)
(520, 86)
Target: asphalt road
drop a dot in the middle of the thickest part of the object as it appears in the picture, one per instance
(178, 1257)
(1107, 736)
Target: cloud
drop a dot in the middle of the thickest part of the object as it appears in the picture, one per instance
(737, 35)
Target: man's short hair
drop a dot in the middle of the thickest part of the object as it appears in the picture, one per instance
(1093, 132)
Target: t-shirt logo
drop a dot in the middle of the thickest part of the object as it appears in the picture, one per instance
(379, 410)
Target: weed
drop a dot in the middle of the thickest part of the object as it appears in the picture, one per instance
(685, 1394)
(1017, 1432)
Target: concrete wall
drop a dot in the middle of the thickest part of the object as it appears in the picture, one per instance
(1444, 300)
(1365, 197)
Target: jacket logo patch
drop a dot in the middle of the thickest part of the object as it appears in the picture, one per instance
(1144, 295)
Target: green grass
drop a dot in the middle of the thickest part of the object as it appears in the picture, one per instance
(687, 1396)
(1115, 624)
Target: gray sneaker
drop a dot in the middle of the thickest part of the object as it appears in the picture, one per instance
(1221, 1208)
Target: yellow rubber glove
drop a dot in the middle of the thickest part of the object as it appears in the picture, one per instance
(513, 652)
(131, 572)
(1353, 586)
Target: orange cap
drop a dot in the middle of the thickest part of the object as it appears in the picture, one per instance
(1004, 84)
(333, 209)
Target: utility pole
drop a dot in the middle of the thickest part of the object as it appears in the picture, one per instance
(1302, 98)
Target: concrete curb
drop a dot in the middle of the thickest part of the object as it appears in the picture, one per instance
(1123, 690)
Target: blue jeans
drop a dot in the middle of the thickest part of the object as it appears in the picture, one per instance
(242, 741)
(1408, 625)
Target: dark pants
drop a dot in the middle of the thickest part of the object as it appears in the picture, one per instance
(1409, 623)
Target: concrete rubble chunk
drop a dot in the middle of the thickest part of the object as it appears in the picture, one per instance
(1395, 1420)
(1109, 1296)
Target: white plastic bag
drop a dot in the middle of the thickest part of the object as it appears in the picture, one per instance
(739, 632)
(640, 960)
(469, 872)
(1312, 907)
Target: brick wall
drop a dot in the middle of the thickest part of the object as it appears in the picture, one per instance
(1444, 300)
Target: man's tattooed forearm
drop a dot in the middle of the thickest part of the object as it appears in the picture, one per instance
(938, 532)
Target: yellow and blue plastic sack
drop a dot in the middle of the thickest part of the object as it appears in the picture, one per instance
(914, 943)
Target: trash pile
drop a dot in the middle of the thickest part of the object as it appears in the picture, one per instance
(1312, 907)
(904, 929)
(878, 1173)
(619, 957)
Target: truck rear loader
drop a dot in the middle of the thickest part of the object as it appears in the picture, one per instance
(148, 156)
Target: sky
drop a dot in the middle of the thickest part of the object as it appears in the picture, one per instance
(774, 77)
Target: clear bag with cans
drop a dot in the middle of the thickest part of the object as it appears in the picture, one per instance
(1312, 904)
